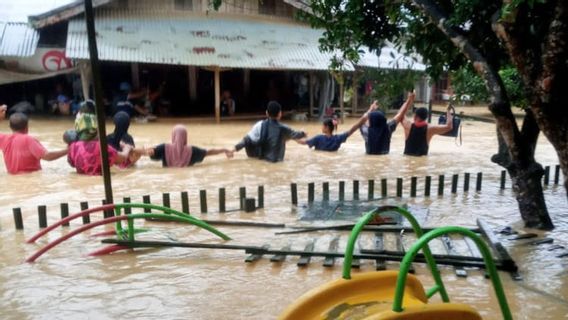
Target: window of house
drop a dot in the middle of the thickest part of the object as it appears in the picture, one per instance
(183, 4)
(267, 7)
(123, 4)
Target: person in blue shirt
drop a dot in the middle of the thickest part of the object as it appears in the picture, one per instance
(327, 141)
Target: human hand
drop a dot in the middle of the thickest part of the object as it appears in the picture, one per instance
(126, 147)
(3, 109)
(411, 95)
(374, 106)
(229, 153)
(149, 152)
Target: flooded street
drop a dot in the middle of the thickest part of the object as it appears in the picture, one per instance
(182, 283)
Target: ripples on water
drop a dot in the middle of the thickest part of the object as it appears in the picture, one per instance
(205, 284)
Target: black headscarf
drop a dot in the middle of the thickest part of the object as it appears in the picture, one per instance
(121, 123)
(378, 141)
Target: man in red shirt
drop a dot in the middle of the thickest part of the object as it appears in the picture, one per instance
(22, 153)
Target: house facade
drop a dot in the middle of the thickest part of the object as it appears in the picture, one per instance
(255, 49)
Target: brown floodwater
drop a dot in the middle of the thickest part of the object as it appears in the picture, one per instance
(182, 283)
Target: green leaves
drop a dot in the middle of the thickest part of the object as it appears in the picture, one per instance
(390, 86)
(465, 82)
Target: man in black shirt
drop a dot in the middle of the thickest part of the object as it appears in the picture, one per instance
(419, 133)
(267, 138)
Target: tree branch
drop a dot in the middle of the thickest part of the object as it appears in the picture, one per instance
(530, 132)
(500, 106)
(554, 51)
(480, 63)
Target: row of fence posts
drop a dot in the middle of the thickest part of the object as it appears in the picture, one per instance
(247, 204)
(384, 188)
(545, 178)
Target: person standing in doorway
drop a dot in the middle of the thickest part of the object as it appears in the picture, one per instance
(227, 104)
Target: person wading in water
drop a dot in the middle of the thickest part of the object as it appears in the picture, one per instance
(419, 133)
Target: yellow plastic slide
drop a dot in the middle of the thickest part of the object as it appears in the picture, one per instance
(369, 296)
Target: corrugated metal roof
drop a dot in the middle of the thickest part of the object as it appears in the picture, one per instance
(201, 41)
(390, 58)
(17, 39)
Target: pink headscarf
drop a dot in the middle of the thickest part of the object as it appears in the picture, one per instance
(178, 153)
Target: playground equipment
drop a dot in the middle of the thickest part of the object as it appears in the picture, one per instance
(167, 214)
(386, 295)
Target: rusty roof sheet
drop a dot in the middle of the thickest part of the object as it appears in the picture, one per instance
(202, 41)
(17, 39)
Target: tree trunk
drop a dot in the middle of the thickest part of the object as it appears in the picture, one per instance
(527, 186)
(526, 174)
(522, 168)
(558, 137)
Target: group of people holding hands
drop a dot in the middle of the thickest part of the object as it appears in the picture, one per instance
(266, 140)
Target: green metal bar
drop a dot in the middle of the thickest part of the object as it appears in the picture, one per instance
(432, 291)
(118, 227)
(422, 243)
(348, 258)
(130, 230)
(171, 212)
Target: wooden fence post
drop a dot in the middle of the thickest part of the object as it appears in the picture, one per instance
(325, 189)
(146, 200)
(222, 207)
(399, 187)
(18, 220)
(441, 185)
(427, 186)
(260, 194)
(86, 218)
(184, 202)
(294, 193)
(64, 212)
(42, 216)
(203, 200)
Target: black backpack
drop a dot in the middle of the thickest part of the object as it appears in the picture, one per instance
(457, 123)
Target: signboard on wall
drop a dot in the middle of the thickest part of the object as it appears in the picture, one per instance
(46, 62)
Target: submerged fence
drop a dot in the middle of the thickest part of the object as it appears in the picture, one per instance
(376, 190)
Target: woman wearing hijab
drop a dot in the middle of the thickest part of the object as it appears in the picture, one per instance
(120, 137)
(178, 153)
(378, 132)
(84, 147)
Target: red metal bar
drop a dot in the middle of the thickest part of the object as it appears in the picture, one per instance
(108, 250)
(69, 218)
(74, 233)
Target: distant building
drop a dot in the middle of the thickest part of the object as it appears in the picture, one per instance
(256, 49)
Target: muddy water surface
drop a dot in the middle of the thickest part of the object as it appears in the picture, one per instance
(205, 284)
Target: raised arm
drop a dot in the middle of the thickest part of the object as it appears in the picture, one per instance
(441, 129)
(404, 108)
(363, 118)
